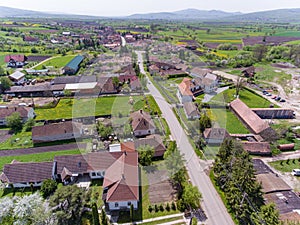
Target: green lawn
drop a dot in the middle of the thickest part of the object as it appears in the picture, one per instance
(20, 140)
(286, 165)
(57, 62)
(226, 119)
(164, 221)
(72, 108)
(252, 100)
(39, 157)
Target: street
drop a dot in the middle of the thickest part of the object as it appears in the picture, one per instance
(212, 203)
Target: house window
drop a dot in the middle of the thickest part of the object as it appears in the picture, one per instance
(128, 203)
(116, 204)
(93, 174)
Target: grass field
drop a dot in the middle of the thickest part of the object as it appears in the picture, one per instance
(39, 157)
(250, 99)
(72, 108)
(288, 34)
(56, 62)
(226, 119)
(267, 73)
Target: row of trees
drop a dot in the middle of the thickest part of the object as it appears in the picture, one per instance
(188, 195)
(234, 175)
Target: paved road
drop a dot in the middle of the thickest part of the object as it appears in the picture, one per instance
(54, 148)
(212, 203)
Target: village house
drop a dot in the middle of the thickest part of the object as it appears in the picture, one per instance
(154, 141)
(215, 136)
(17, 78)
(15, 61)
(142, 123)
(188, 89)
(191, 110)
(73, 66)
(56, 132)
(25, 113)
(22, 175)
(208, 81)
(119, 171)
(249, 72)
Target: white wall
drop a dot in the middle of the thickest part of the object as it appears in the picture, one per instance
(112, 205)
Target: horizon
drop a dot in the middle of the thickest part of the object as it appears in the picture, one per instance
(118, 8)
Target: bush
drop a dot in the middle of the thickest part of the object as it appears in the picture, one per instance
(156, 209)
(180, 205)
(48, 187)
(168, 207)
(173, 206)
(161, 207)
(150, 209)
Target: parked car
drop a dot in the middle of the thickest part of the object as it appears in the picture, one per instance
(274, 96)
(282, 100)
(268, 94)
(277, 99)
(296, 172)
(264, 92)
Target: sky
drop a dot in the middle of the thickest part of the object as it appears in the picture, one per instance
(128, 7)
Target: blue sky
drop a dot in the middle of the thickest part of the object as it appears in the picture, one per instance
(128, 7)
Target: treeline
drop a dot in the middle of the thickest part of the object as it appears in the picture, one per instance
(234, 175)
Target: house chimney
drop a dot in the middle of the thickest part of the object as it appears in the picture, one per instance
(123, 176)
(15, 108)
(141, 111)
(79, 164)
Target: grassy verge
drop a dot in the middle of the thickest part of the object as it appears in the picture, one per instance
(20, 140)
(222, 195)
(39, 157)
(163, 221)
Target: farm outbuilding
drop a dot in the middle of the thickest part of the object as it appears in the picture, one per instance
(286, 147)
(72, 67)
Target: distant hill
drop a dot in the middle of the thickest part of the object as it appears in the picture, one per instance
(272, 16)
(13, 12)
(187, 14)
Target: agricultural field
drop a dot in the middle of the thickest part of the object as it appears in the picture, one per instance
(56, 62)
(286, 166)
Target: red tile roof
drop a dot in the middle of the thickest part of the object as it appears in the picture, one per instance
(141, 120)
(17, 58)
(26, 172)
(185, 88)
(262, 148)
(122, 179)
(253, 121)
(4, 112)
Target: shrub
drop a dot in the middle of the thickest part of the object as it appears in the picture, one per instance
(161, 207)
(150, 209)
(168, 207)
(156, 208)
(173, 206)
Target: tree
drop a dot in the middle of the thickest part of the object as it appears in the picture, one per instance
(67, 93)
(14, 122)
(104, 131)
(259, 52)
(131, 213)
(69, 202)
(175, 165)
(34, 50)
(95, 213)
(103, 218)
(146, 153)
(5, 83)
(29, 124)
(48, 187)
(204, 122)
(239, 85)
(191, 196)
(2, 71)
(116, 82)
(268, 215)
